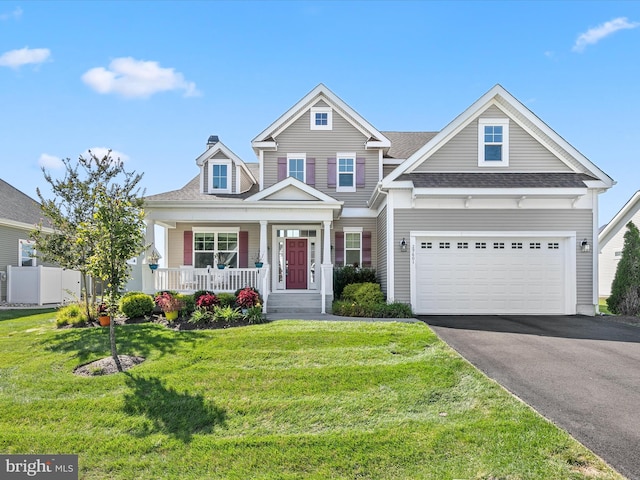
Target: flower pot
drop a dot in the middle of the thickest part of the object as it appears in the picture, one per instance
(258, 264)
(221, 266)
(105, 320)
(172, 315)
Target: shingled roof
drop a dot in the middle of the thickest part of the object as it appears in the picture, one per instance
(17, 206)
(496, 180)
(191, 192)
(405, 144)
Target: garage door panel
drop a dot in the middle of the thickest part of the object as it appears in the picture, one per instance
(490, 275)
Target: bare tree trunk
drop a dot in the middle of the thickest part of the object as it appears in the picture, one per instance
(112, 339)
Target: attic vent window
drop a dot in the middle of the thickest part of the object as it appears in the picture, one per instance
(321, 118)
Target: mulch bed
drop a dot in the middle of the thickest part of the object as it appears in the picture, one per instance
(107, 366)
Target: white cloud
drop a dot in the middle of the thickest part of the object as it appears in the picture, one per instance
(24, 56)
(16, 13)
(50, 162)
(133, 78)
(101, 152)
(594, 35)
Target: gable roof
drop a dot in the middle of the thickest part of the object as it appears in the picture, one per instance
(620, 219)
(518, 113)
(191, 192)
(220, 147)
(293, 189)
(18, 208)
(321, 92)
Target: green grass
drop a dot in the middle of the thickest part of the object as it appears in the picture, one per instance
(286, 400)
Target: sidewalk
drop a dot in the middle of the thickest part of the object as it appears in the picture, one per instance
(333, 318)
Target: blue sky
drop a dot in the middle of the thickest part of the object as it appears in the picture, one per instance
(152, 80)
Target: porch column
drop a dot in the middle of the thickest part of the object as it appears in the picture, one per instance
(148, 285)
(327, 266)
(263, 242)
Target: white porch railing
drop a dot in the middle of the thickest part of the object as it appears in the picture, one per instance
(188, 280)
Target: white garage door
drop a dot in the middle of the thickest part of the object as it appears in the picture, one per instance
(490, 275)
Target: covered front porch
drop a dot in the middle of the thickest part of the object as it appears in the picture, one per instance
(287, 232)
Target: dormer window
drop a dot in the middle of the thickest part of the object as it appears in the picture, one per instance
(493, 142)
(219, 177)
(321, 118)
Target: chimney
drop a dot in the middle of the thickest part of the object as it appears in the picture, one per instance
(213, 139)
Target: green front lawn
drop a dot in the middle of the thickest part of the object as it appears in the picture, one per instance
(290, 399)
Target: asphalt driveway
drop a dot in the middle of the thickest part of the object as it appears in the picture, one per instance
(582, 373)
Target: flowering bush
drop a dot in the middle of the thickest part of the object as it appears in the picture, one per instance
(207, 301)
(247, 298)
(168, 302)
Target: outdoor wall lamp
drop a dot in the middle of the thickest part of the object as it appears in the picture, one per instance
(152, 259)
(403, 245)
(584, 246)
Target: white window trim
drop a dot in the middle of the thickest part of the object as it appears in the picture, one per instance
(328, 111)
(501, 122)
(351, 156)
(21, 243)
(229, 176)
(357, 230)
(298, 156)
(216, 231)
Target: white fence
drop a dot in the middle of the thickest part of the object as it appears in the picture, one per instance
(42, 285)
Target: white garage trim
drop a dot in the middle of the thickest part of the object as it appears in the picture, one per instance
(568, 246)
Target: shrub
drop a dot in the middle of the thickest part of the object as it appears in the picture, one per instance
(136, 305)
(207, 301)
(227, 299)
(363, 293)
(349, 274)
(254, 315)
(200, 316)
(72, 314)
(226, 314)
(198, 293)
(188, 304)
(247, 297)
(626, 283)
(392, 310)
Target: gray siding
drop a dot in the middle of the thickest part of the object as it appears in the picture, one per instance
(381, 265)
(461, 152)
(368, 225)
(245, 181)
(9, 238)
(323, 144)
(579, 221)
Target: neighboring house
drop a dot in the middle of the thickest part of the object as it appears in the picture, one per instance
(19, 214)
(611, 241)
(487, 216)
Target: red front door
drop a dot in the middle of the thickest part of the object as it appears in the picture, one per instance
(296, 263)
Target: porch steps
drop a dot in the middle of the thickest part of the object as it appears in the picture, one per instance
(294, 303)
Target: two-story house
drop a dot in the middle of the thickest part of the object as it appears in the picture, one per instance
(494, 214)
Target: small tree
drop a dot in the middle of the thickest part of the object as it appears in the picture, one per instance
(117, 228)
(74, 204)
(625, 289)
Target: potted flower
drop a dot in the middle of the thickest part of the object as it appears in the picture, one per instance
(258, 260)
(219, 261)
(103, 315)
(169, 304)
